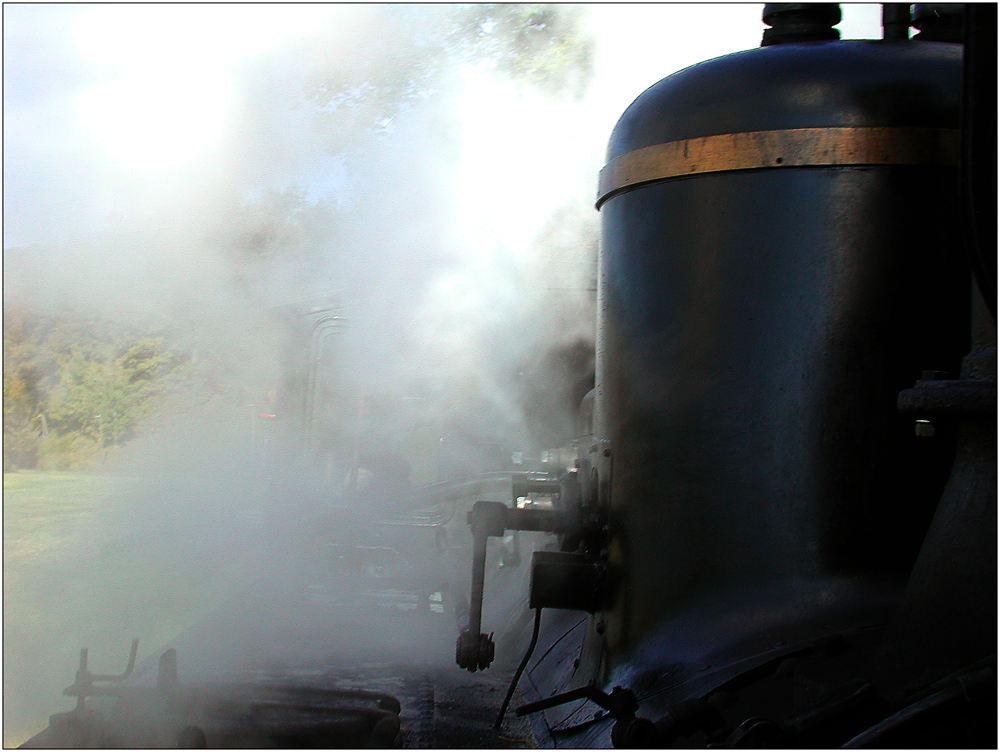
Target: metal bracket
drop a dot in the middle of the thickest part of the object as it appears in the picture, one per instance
(949, 398)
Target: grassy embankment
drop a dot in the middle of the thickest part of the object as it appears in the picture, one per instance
(74, 577)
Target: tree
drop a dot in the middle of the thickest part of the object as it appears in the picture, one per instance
(22, 434)
(106, 400)
(367, 85)
(23, 396)
(396, 57)
(73, 384)
(541, 45)
(280, 223)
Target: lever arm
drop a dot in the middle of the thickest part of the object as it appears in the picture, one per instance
(476, 650)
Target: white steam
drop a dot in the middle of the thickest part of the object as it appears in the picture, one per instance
(144, 144)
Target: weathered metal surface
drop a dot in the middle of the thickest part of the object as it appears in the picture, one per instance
(757, 322)
(564, 580)
(948, 615)
(228, 715)
(757, 326)
(950, 398)
(800, 22)
(312, 698)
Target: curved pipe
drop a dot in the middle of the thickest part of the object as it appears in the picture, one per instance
(520, 670)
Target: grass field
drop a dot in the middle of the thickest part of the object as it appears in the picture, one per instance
(77, 573)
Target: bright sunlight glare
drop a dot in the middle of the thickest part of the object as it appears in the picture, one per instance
(168, 92)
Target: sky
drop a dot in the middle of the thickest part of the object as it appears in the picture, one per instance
(133, 134)
(116, 112)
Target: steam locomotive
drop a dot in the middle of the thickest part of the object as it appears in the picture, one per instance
(780, 530)
(784, 532)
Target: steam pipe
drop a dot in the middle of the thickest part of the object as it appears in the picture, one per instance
(520, 670)
(978, 166)
(896, 21)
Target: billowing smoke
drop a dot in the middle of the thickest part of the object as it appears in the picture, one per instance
(316, 190)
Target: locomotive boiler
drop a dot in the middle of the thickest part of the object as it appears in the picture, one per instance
(784, 531)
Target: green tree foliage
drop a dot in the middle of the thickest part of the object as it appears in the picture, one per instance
(21, 434)
(22, 393)
(417, 46)
(105, 400)
(399, 56)
(541, 45)
(73, 385)
(280, 223)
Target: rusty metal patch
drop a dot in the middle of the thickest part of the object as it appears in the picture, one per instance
(796, 147)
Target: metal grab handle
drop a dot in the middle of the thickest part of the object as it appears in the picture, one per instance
(111, 677)
(85, 679)
(621, 703)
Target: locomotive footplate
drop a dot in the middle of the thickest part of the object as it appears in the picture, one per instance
(291, 706)
(240, 714)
